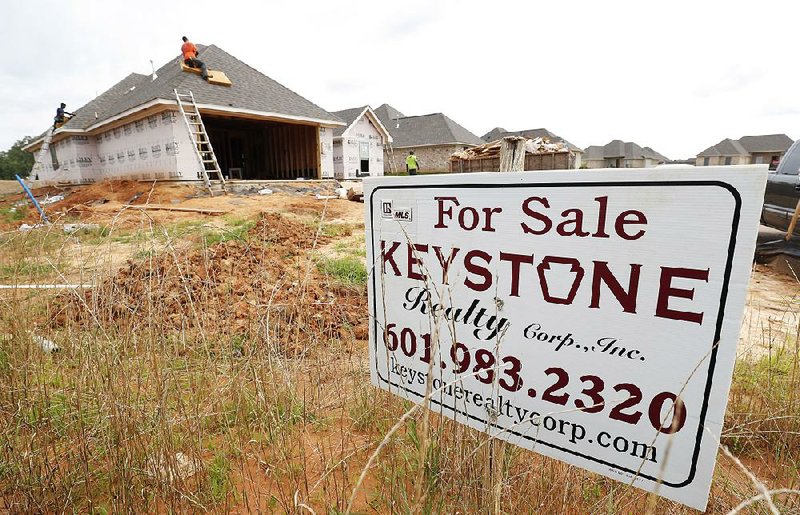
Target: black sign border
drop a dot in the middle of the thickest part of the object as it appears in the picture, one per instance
(720, 316)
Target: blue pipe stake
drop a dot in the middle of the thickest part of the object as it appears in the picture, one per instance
(33, 199)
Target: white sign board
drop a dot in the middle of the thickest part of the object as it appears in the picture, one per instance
(589, 316)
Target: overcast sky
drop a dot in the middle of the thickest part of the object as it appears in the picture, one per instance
(678, 76)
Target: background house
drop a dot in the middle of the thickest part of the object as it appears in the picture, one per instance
(498, 133)
(766, 149)
(432, 137)
(358, 146)
(621, 154)
(259, 129)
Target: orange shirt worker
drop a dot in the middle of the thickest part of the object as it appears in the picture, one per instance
(189, 51)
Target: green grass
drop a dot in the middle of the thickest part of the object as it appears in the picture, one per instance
(235, 230)
(337, 230)
(144, 254)
(93, 235)
(25, 269)
(352, 246)
(219, 477)
(13, 214)
(764, 406)
(347, 270)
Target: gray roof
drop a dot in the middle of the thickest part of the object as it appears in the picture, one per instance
(621, 149)
(652, 154)
(766, 143)
(103, 106)
(494, 134)
(251, 90)
(429, 129)
(385, 113)
(726, 147)
(593, 152)
(498, 133)
(748, 145)
(348, 116)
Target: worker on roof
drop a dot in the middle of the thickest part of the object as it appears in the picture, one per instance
(190, 57)
(61, 118)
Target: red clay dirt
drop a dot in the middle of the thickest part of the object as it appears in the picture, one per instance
(265, 285)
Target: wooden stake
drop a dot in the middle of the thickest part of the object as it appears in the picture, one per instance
(512, 154)
(156, 207)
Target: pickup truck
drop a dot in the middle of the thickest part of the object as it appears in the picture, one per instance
(783, 192)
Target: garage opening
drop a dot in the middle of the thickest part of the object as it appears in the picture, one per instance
(264, 150)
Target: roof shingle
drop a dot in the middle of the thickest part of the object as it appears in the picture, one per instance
(251, 90)
(429, 129)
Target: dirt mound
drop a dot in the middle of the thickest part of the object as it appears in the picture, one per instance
(126, 192)
(263, 287)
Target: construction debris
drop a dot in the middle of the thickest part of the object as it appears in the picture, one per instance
(492, 149)
(355, 190)
(26, 227)
(181, 467)
(52, 200)
(46, 345)
(73, 228)
(540, 154)
(156, 207)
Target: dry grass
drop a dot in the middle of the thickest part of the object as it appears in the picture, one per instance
(134, 414)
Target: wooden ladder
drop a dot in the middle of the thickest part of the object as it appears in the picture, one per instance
(209, 166)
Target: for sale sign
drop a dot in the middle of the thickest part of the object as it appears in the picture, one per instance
(589, 316)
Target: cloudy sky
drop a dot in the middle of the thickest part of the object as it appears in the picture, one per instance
(677, 76)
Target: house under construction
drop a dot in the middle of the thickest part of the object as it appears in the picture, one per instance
(259, 129)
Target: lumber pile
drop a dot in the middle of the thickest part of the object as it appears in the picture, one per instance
(492, 149)
(539, 154)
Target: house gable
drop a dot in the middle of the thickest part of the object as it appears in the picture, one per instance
(353, 115)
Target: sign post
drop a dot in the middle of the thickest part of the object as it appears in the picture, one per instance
(591, 316)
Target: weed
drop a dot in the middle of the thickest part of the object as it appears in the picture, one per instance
(219, 477)
(347, 270)
(336, 230)
(12, 214)
(235, 230)
(24, 270)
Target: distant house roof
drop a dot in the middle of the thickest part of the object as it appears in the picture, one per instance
(766, 143)
(593, 152)
(747, 145)
(386, 112)
(726, 147)
(349, 116)
(618, 149)
(494, 134)
(498, 133)
(251, 92)
(429, 129)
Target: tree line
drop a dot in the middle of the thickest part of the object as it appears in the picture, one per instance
(16, 161)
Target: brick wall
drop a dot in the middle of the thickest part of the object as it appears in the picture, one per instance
(431, 159)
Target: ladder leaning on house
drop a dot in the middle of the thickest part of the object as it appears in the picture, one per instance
(45, 150)
(202, 144)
